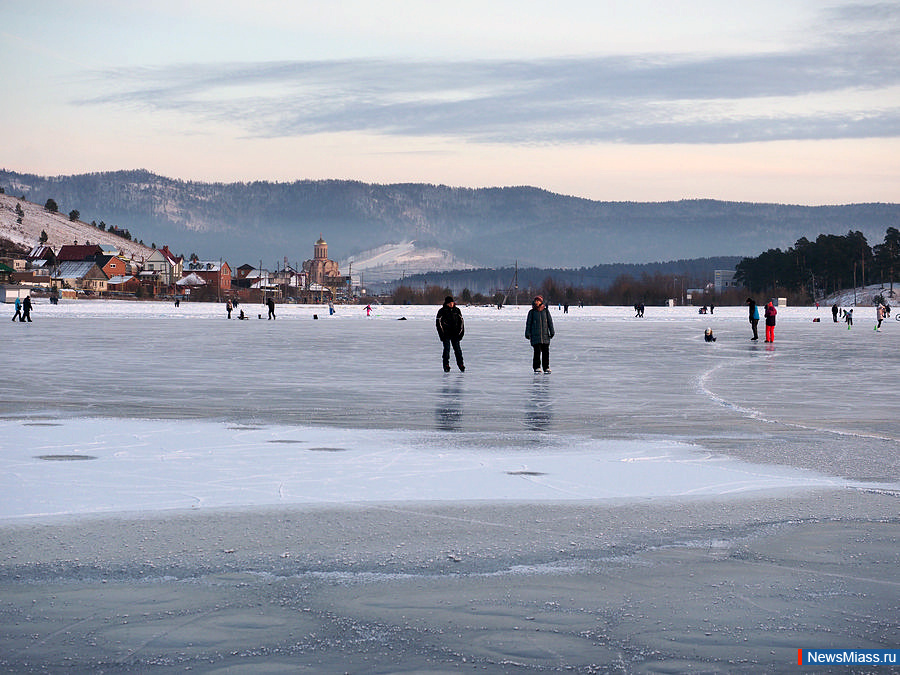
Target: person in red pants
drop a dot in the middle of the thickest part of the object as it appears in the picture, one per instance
(770, 322)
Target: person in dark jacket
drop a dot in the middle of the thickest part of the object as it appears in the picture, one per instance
(271, 304)
(539, 331)
(770, 322)
(754, 317)
(26, 309)
(450, 329)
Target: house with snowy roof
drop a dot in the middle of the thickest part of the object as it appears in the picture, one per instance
(126, 283)
(41, 252)
(85, 275)
(216, 274)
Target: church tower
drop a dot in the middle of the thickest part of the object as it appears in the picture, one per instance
(320, 251)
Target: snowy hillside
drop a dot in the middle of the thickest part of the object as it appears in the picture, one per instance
(394, 261)
(60, 230)
(864, 296)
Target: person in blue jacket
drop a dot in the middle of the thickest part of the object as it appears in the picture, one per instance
(754, 317)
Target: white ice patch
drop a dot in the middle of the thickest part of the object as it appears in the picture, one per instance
(153, 465)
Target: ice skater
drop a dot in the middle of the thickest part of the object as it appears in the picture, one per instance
(770, 321)
(26, 309)
(879, 316)
(539, 331)
(450, 329)
(18, 314)
(271, 304)
(229, 307)
(834, 312)
(754, 317)
(848, 317)
(708, 335)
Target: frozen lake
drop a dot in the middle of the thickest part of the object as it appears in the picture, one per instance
(183, 492)
(112, 406)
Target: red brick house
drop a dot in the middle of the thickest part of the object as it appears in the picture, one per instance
(112, 265)
(217, 276)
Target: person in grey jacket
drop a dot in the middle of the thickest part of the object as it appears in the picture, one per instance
(539, 331)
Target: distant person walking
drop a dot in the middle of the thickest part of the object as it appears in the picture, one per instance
(26, 309)
(770, 321)
(834, 312)
(18, 314)
(271, 303)
(879, 316)
(450, 329)
(228, 307)
(539, 331)
(754, 317)
(368, 310)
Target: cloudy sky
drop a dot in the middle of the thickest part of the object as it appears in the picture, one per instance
(794, 101)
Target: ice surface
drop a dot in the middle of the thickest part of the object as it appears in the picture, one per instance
(179, 407)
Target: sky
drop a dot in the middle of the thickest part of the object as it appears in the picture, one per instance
(789, 101)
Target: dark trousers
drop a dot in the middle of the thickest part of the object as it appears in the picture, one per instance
(753, 324)
(457, 351)
(541, 354)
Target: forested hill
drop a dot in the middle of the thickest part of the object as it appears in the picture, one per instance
(267, 221)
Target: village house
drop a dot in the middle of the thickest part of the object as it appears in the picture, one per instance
(78, 253)
(84, 275)
(37, 277)
(163, 267)
(41, 252)
(217, 276)
(289, 281)
(244, 270)
(125, 284)
(112, 265)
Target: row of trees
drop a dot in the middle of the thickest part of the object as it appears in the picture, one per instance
(627, 290)
(813, 269)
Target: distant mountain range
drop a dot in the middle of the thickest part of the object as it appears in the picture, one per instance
(486, 227)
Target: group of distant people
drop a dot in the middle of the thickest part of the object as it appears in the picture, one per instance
(882, 312)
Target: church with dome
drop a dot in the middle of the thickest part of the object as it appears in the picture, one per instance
(323, 276)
